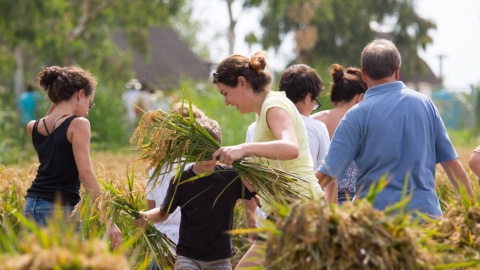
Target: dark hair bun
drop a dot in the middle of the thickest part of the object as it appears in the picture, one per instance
(48, 75)
(337, 72)
(258, 62)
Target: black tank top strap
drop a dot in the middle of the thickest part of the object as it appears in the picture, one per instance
(35, 125)
(34, 130)
(54, 124)
(70, 119)
(45, 125)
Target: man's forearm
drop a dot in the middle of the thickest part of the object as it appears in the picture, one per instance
(457, 175)
(329, 186)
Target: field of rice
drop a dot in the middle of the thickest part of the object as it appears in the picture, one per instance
(311, 236)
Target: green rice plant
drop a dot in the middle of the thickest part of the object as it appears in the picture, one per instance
(113, 201)
(56, 246)
(175, 139)
(458, 231)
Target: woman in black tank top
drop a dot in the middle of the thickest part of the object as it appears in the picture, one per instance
(62, 142)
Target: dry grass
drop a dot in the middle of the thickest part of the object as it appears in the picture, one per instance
(459, 228)
(318, 236)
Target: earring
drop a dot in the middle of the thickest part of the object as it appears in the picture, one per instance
(79, 103)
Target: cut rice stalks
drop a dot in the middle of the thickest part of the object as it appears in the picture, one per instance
(175, 139)
(318, 236)
(112, 201)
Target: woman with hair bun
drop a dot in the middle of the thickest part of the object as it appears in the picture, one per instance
(280, 138)
(62, 142)
(347, 89)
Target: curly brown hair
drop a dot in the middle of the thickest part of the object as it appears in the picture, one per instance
(346, 84)
(299, 80)
(252, 69)
(62, 82)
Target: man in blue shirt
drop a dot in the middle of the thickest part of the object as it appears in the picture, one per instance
(394, 132)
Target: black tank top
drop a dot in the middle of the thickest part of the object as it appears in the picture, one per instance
(57, 174)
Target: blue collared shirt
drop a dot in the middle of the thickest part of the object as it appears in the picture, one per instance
(394, 131)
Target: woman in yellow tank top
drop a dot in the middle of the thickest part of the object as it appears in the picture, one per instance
(280, 137)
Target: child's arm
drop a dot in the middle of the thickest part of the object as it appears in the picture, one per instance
(249, 186)
(251, 214)
(155, 215)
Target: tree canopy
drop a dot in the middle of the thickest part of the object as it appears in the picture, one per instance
(78, 32)
(328, 31)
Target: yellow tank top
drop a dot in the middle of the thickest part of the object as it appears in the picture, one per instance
(302, 165)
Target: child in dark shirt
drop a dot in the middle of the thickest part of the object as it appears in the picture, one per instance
(207, 206)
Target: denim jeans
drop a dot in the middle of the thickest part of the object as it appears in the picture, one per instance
(183, 262)
(344, 197)
(153, 265)
(40, 211)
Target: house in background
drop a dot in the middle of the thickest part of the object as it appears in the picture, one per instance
(169, 59)
(424, 81)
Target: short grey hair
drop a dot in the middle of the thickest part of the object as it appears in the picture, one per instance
(380, 59)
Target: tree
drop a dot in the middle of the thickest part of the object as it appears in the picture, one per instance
(328, 31)
(34, 34)
(65, 32)
(231, 28)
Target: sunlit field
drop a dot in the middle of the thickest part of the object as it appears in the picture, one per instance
(452, 242)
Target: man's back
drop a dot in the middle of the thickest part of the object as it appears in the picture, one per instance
(396, 132)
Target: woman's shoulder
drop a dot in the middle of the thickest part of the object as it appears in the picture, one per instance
(79, 124)
(30, 126)
(78, 120)
(321, 116)
(278, 99)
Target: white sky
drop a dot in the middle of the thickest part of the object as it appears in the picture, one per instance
(457, 37)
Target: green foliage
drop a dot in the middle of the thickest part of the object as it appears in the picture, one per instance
(63, 33)
(476, 110)
(107, 120)
(463, 137)
(336, 31)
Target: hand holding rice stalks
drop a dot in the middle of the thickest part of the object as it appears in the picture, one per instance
(175, 139)
(112, 200)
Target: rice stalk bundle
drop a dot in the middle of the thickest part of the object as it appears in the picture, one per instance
(55, 246)
(175, 139)
(459, 228)
(13, 186)
(318, 236)
(112, 201)
(79, 254)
